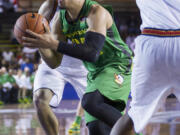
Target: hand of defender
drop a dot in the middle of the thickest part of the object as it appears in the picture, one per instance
(45, 40)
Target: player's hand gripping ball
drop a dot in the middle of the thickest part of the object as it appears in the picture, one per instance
(32, 21)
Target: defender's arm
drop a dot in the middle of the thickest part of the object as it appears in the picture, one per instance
(51, 57)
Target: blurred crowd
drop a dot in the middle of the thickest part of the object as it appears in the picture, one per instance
(17, 71)
(8, 6)
(128, 27)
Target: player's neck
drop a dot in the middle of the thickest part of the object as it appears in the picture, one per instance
(75, 8)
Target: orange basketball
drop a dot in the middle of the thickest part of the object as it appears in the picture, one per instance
(32, 21)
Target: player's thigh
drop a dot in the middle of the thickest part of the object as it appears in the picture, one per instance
(150, 81)
(149, 73)
(46, 77)
(49, 80)
(174, 67)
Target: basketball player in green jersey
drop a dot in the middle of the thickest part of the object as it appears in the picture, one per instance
(93, 38)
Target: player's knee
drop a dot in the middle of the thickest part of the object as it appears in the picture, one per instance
(92, 100)
(41, 98)
(40, 103)
(93, 127)
(87, 102)
(83, 102)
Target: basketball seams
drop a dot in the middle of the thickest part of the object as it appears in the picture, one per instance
(19, 30)
(37, 20)
(39, 32)
(26, 22)
(16, 26)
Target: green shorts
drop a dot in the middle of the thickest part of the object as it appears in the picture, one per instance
(111, 83)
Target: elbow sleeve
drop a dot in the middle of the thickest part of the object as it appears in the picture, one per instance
(89, 51)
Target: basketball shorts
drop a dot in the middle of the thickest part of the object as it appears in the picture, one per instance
(155, 75)
(112, 84)
(55, 81)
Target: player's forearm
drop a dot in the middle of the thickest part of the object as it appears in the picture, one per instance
(52, 58)
(89, 51)
(48, 9)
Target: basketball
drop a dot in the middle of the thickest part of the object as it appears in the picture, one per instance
(31, 21)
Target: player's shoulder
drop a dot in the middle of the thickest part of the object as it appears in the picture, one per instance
(99, 10)
(96, 8)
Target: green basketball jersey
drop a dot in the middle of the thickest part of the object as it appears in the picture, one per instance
(114, 53)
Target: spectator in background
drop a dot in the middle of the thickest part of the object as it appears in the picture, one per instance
(7, 55)
(28, 64)
(6, 92)
(7, 6)
(25, 84)
(4, 71)
(7, 84)
(18, 79)
(26, 78)
(15, 5)
(13, 64)
(4, 63)
(14, 89)
(21, 58)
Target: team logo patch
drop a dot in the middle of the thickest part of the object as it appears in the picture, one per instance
(118, 79)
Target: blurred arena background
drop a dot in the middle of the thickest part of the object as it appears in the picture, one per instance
(18, 66)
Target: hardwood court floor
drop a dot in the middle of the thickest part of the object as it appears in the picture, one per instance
(22, 120)
(165, 122)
